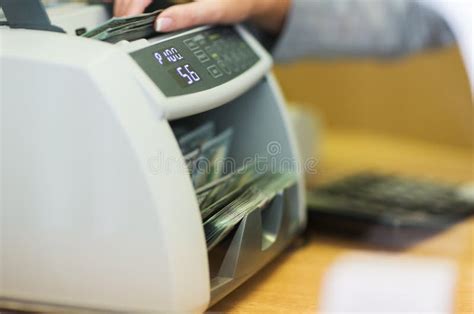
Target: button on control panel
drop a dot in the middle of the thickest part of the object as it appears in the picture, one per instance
(202, 56)
(191, 44)
(224, 49)
(214, 71)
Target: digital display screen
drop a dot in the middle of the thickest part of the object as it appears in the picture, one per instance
(197, 61)
(168, 56)
(184, 74)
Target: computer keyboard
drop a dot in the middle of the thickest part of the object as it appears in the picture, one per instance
(392, 200)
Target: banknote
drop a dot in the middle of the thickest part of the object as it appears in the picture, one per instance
(197, 137)
(229, 188)
(225, 197)
(209, 165)
(131, 34)
(125, 28)
(256, 196)
(205, 192)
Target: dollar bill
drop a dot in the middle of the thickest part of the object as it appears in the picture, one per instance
(256, 196)
(196, 138)
(190, 159)
(226, 189)
(209, 165)
(144, 31)
(125, 28)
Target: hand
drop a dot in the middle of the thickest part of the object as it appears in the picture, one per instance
(267, 14)
(130, 7)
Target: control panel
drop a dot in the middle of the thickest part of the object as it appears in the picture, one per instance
(196, 62)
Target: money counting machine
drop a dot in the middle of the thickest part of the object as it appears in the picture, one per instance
(98, 210)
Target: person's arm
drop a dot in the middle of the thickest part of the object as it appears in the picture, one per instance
(359, 28)
(269, 15)
(316, 28)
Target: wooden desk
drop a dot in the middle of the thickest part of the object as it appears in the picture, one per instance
(291, 284)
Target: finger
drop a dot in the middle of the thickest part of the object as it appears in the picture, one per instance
(135, 7)
(117, 5)
(191, 14)
(120, 6)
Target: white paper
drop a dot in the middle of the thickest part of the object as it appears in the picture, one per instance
(373, 283)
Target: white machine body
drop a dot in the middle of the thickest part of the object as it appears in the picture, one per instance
(98, 211)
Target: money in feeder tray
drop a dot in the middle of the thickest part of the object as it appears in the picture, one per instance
(125, 28)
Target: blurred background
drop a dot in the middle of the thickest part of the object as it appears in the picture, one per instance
(425, 96)
(370, 110)
(412, 116)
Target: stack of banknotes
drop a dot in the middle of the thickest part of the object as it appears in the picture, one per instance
(205, 152)
(125, 28)
(226, 196)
